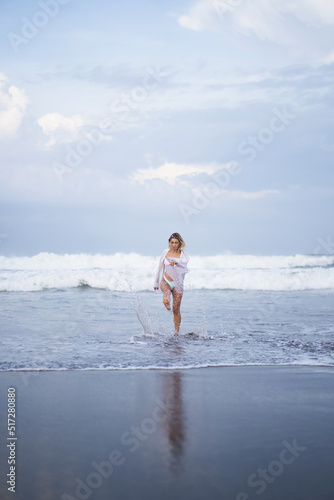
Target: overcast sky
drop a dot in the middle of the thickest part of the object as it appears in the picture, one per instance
(124, 121)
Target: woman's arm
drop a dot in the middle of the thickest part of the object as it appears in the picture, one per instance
(184, 259)
(160, 268)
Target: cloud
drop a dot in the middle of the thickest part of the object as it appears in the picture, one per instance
(205, 189)
(311, 11)
(61, 129)
(328, 59)
(176, 173)
(13, 103)
(267, 20)
(200, 180)
(118, 76)
(190, 176)
(201, 16)
(248, 195)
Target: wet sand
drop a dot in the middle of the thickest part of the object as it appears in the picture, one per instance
(234, 433)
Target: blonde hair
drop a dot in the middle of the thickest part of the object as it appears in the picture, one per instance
(178, 237)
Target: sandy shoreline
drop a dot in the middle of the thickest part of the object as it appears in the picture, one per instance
(210, 433)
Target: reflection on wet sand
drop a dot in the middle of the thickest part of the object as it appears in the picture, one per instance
(174, 425)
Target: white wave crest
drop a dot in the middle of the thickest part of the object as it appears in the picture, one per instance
(134, 272)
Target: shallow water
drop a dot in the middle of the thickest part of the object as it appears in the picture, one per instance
(89, 328)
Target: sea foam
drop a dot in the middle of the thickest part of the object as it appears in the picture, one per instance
(135, 272)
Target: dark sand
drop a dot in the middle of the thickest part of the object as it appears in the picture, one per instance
(236, 433)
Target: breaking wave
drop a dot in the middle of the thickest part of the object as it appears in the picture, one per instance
(135, 272)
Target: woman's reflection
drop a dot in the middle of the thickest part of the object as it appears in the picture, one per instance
(174, 425)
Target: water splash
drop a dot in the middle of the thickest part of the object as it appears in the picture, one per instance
(143, 317)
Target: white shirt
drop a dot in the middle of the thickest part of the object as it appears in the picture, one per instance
(181, 267)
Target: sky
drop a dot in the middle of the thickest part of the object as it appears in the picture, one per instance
(122, 122)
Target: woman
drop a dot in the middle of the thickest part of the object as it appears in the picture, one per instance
(172, 268)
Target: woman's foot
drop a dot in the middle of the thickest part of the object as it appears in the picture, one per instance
(166, 304)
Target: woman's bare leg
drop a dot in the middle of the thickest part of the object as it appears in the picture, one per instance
(177, 297)
(165, 288)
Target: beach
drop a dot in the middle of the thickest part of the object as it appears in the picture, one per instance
(234, 433)
(110, 404)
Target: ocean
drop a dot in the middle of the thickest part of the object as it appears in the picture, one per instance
(85, 312)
